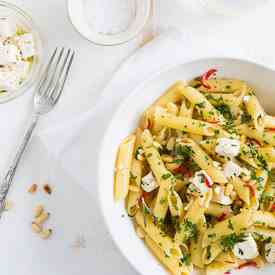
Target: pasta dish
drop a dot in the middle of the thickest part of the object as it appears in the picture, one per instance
(198, 177)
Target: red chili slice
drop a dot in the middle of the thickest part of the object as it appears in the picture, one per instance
(271, 129)
(222, 217)
(207, 183)
(183, 170)
(251, 263)
(273, 207)
(227, 272)
(206, 76)
(251, 188)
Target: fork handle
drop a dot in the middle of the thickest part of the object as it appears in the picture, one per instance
(8, 177)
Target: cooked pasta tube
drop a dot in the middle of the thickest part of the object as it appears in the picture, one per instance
(224, 86)
(204, 161)
(242, 190)
(184, 123)
(209, 113)
(256, 111)
(211, 252)
(173, 264)
(269, 122)
(168, 246)
(123, 166)
(238, 223)
(266, 137)
(264, 218)
(163, 176)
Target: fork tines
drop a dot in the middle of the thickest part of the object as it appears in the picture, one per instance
(56, 73)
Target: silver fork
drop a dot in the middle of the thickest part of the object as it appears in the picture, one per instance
(46, 96)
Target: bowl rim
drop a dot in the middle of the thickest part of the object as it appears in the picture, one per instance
(37, 67)
(122, 104)
(129, 38)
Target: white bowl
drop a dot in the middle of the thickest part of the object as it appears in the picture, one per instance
(22, 19)
(125, 121)
(78, 11)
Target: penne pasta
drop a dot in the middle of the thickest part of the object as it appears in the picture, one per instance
(186, 124)
(256, 111)
(123, 166)
(197, 177)
(239, 222)
(204, 161)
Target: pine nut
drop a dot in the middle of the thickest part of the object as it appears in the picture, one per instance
(42, 218)
(47, 189)
(36, 228)
(45, 233)
(38, 210)
(32, 189)
(167, 158)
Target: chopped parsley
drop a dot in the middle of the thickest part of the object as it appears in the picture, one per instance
(245, 117)
(224, 109)
(190, 231)
(230, 225)
(208, 252)
(228, 241)
(184, 151)
(166, 176)
(185, 260)
(201, 104)
(212, 235)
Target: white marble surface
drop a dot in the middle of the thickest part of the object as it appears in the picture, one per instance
(74, 215)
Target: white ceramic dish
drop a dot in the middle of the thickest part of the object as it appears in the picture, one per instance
(22, 19)
(125, 120)
(77, 10)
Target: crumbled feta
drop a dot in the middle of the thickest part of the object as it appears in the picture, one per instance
(200, 183)
(12, 75)
(220, 197)
(9, 53)
(228, 147)
(148, 183)
(270, 252)
(247, 249)
(25, 43)
(246, 98)
(7, 28)
(231, 169)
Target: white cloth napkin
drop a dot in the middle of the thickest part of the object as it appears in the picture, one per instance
(76, 143)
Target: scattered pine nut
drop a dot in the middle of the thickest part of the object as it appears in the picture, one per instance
(42, 218)
(32, 189)
(45, 233)
(47, 189)
(38, 210)
(36, 228)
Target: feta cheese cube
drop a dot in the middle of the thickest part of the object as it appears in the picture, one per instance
(228, 147)
(247, 249)
(270, 252)
(12, 75)
(9, 53)
(220, 197)
(7, 28)
(231, 169)
(25, 43)
(200, 183)
(148, 183)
